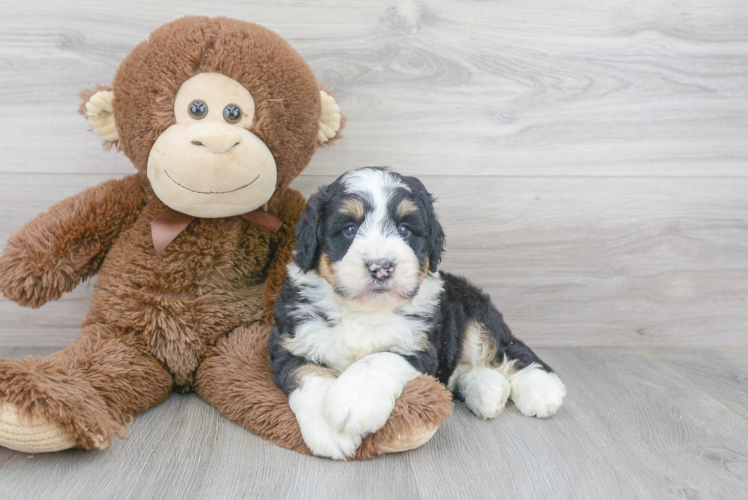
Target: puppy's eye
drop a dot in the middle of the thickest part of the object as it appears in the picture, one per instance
(403, 230)
(350, 230)
(198, 109)
(232, 113)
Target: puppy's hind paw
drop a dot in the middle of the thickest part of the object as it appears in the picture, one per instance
(536, 392)
(485, 391)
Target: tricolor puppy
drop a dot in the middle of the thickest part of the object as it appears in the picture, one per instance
(364, 310)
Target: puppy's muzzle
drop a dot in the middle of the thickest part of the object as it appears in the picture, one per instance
(380, 270)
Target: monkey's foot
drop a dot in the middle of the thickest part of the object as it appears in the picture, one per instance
(417, 438)
(419, 411)
(31, 434)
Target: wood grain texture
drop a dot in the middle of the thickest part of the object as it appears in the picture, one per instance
(590, 160)
(569, 261)
(511, 88)
(724, 373)
(633, 426)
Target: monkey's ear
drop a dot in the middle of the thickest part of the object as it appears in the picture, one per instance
(330, 120)
(97, 107)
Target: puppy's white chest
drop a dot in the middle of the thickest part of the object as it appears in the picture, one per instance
(353, 335)
(335, 333)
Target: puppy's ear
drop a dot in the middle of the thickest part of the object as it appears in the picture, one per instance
(436, 236)
(309, 230)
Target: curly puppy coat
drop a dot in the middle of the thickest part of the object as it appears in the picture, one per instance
(364, 310)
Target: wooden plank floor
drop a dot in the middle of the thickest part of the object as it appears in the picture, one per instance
(589, 158)
(638, 423)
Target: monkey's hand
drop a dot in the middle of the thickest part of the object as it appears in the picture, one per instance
(56, 250)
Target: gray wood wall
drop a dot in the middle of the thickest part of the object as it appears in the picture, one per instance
(590, 158)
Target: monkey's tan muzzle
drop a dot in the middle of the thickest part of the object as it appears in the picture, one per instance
(218, 137)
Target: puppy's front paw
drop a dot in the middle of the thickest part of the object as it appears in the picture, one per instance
(536, 392)
(325, 441)
(319, 436)
(356, 406)
(360, 400)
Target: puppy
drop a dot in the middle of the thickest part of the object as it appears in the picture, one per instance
(364, 310)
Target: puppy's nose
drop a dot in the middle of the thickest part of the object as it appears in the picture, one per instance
(380, 269)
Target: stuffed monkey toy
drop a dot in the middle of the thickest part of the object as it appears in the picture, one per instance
(218, 116)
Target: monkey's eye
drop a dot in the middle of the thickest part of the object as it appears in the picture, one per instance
(350, 230)
(403, 230)
(232, 113)
(198, 109)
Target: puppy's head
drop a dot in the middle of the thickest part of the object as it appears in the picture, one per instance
(373, 235)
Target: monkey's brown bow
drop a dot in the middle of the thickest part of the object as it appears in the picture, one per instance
(167, 226)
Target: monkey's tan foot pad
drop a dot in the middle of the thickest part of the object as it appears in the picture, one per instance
(411, 441)
(31, 435)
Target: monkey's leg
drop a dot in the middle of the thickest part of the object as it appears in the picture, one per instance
(237, 380)
(78, 397)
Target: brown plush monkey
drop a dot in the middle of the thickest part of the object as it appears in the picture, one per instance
(218, 116)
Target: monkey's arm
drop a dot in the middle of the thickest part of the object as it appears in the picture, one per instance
(57, 249)
(289, 209)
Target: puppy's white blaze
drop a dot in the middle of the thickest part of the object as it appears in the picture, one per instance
(536, 392)
(375, 185)
(306, 403)
(337, 332)
(377, 239)
(360, 401)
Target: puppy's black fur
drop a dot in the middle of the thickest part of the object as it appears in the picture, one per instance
(460, 304)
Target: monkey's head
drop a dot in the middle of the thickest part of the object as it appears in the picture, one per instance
(218, 113)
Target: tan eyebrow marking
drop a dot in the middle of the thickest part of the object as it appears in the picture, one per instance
(353, 207)
(406, 207)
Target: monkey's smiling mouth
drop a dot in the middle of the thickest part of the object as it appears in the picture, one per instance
(211, 192)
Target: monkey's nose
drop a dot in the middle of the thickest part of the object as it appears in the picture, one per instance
(218, 137)
(380, 269)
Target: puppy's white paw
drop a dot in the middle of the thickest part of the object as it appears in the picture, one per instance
(485, 391)
(319, 436)
(360, 401)
(325, 441)
(536, 392)
(357, 406)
